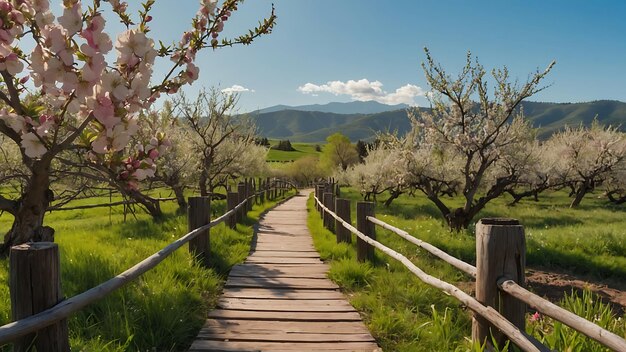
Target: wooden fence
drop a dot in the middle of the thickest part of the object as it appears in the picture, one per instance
(38, 308)
(500, 303)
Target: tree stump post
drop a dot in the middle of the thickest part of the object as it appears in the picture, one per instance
(342, 208)
(364, 251)
(232, 199)
(241, 192)
(198, 215)
(35, 285)
(500, 252)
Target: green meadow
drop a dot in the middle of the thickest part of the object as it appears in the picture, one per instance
(301, 150)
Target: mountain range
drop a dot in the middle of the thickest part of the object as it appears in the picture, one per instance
(362, 120)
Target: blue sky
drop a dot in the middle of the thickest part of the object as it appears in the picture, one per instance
(321, 41)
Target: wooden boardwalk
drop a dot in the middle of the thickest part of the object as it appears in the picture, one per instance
(280, 299)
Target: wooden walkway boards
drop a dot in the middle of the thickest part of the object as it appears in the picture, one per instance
(280, 298)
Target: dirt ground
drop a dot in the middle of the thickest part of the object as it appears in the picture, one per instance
(553, 285)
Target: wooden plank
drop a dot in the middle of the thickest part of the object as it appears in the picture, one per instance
(210, 345)
(285, 254)
(277, 293)
(255, 326)
(273, 260)
(284, 316)
(286, 282)
(288, 272)
(269, 335)
(286, 305)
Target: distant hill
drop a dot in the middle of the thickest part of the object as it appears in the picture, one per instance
(353, 107)
(315, 126)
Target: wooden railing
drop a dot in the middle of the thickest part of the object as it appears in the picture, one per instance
(500, 296)
(52, 318)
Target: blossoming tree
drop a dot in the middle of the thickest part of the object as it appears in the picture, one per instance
(470, 141)
(88, 98)
(585, 157)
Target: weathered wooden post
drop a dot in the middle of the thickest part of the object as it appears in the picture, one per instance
(261, 191)
(241, 193)
(198, 215)
(267, 189)
(320, 196)
(35, 285)
(250, 192)
(342, 208)
(500, 252)
(232, 199)
(364, 251)
(329, 202)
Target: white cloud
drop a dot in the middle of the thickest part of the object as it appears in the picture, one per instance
(236, 89)
(364, 90)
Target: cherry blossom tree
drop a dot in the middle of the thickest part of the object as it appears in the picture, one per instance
(585, 157)
(470, 141)
(90, 88)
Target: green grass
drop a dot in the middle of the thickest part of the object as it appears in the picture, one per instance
(407, 315)
(301, 150)
(162, 310)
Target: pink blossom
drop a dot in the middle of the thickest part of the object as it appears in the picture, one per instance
(72, 19)
(100, 145)
(33, 147)
(535, 316)
(153, 154)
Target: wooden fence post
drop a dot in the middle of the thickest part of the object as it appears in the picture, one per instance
(241, 192)
(329, 202)
(249, 193)
(500, 252)
(198, 215)
(268, 194)
(261, 191)
(364, 251)
(342, 208)
(232, 199)
(320, 196)
(35, 285)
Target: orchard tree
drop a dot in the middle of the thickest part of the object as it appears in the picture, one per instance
(615, 184)
(305, 170)
(87, 97)
(382, 170)
(470, 141)
(219, 138)
(585, 157)
(338, 152)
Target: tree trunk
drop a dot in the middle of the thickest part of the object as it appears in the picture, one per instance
(394, 194)
(202, 184)
(180, 198)
(580, 194)
(616, 200)
(459, 219)
(28, 222)
(152, 206)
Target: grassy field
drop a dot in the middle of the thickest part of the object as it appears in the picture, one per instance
(301, 150)
(161, 311)
(406, 315)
